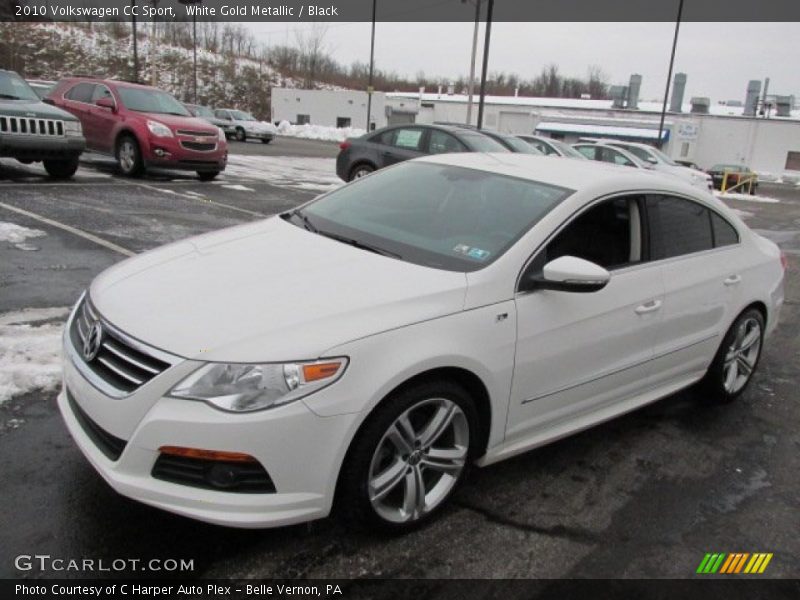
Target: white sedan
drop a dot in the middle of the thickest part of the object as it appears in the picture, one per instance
(370, 346)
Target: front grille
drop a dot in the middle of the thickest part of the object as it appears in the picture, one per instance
(31, 126)
(226, 476)
(199, 146)
(192, 133)
(108, 444)
(119, 363)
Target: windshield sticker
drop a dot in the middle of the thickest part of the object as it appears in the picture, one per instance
(476, 253)
(461, 249)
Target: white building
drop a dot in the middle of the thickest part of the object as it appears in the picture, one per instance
(330, 108)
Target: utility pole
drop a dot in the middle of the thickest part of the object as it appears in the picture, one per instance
(486, 41)
(194, 47)
(471, 84)
(135, 43)
(371, 67)
(659, 142)
(152, 47)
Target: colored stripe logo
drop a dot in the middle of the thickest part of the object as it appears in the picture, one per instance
(734, 563)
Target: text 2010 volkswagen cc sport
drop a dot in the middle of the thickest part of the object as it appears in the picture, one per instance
(369, 346)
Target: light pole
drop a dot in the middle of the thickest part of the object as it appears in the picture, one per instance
(194, 48)
(371, 66)
(471, 83)
(486, 41)
(135, 43)
(659, 142)
(152, 46)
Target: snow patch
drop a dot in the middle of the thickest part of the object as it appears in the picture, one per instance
(30, 351)
(314, 174)
(746, 197)
(238, 187)
(16, 235)
(319, 132)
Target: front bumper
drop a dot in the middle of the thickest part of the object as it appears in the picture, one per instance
(301, 452)
(32, 147)
(170, 153)
(259, 135)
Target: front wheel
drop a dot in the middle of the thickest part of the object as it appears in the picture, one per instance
(241, 136)
(736, 360)
(207, 175)
(410, 456)
(61, 169)
(266, 140)
(129, 157)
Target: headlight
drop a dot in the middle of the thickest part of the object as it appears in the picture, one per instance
(222, 137)
(159, 129)
(244, 387)
(73, 128)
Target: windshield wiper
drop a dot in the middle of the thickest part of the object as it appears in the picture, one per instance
(305, 220)
(10, 97)
(358, 244)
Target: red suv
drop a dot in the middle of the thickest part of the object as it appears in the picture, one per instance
(142, 126)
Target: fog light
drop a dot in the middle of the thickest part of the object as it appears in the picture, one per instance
(222, 475)
(161, 153)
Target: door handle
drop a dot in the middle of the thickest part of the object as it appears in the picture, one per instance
(648, 307)
(733, 280)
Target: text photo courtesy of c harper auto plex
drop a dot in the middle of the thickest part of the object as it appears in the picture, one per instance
(465, 299)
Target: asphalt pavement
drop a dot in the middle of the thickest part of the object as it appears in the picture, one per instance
(645, 495)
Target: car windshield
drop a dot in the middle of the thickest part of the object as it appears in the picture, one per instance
(567, 150)
(518, 145)
(203, 111)
(482, 143)
(152, 101)
(14, 87)
(440, 216)
(242, 116)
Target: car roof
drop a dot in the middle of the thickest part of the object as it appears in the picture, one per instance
(114, 82)
(552, 170)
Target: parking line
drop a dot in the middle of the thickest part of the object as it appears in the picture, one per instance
(70, 229)
(199, 199)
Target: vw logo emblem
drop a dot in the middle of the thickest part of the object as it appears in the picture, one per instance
(93, 341)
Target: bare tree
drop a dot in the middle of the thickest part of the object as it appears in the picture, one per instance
(311, 44)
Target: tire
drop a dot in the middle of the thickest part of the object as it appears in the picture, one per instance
(736, 360)
(240, 135)
(385, 448)
(265, 140)
(61, 169)
(207, 175)
(359, 171)
(129, 156)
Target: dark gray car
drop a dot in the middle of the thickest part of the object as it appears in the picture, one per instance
(390, 145)
(207, 114)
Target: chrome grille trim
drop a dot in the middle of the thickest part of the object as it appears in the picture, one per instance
(123, 365)
(31, 126)
(199, 146)
(193, 133)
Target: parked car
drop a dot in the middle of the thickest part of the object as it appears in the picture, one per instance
(246, 125)
(389, 145)
(552, 147)
(142, 127)
(512, 142)
(41, 87)
(662, 162)
(32, 131)
(207, 114)
(735, 174)
(450, 310)
(610, 154)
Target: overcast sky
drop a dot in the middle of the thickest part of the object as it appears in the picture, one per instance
(719, 58)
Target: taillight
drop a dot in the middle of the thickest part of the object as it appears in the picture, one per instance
(344, 145)
(784, 261)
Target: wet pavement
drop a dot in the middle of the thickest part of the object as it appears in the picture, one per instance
(645, 495)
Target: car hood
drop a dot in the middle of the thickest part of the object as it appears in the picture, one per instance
(33, 109)
(179, 122)
(268, 291)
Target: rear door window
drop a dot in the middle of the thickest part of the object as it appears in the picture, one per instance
(408, 138)
(442, 142)
(724, 233)
(677, 227)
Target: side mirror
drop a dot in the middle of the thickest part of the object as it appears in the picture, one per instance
(106, 102)
(651, 160)
(570, 274)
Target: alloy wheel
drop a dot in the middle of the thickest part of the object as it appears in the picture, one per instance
(742, 355)
(127, 156)
(418, 460)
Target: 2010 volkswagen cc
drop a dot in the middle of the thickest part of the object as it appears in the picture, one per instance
(370, 345)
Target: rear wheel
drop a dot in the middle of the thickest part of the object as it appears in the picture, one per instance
(410, 456)
(207, 175)
(129, 156)
(736, 360)
(61, 169)
(361, 170)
